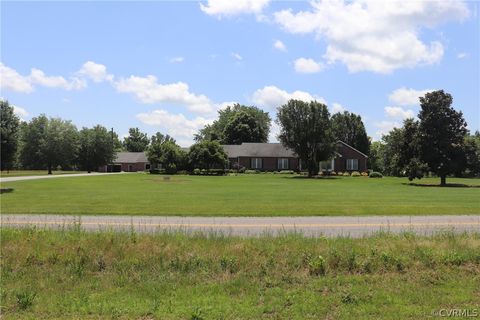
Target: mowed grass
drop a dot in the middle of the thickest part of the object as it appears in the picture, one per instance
(23, 173)
(242, 195)
(72, 274)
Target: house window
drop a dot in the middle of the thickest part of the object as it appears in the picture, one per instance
(282, 164)
(147, 166)
(326, 165)
(256, 163)
(352, 164)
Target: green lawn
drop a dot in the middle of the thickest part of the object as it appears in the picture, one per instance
(22, 173)
(259, 195)
(76, 275)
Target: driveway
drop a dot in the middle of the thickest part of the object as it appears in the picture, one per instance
(255, 226)
(55, 176)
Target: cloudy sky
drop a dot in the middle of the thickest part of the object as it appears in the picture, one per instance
(169, 66)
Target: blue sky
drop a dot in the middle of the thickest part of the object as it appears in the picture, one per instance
(169, 66)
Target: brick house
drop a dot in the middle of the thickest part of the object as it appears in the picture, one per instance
(128, 162)
(274, 156)
(255, 156)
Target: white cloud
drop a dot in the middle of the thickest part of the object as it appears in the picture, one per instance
(237, 56)
(372, 35)
(176, 125)
(398, 112)
(273, 97)
(279, 45)
(148, 90)
(177, 60)
(224, 105)
(462, 55)
(225, 8)
(20, 112)
(337, 108)
(37, 76)
(10, 79)
(407, 97)
(307, 65)
(385, 127)
(95, 71)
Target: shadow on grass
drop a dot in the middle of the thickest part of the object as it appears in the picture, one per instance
(448, 185)
(6, 190)
(315, 177)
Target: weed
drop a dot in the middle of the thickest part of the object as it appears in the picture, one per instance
(317, 266)
(25, 299)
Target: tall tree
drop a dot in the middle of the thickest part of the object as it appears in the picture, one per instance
(392, 143)
(375, 156)
(136, 141)
(9, 134)
(164, 151)
(207, 155)
(441, 134)
(306, 129)
(49, 143)
(409, 160)
(96, 148)
(472, 153)
(258, 129)
(243, 127)
(349, 128)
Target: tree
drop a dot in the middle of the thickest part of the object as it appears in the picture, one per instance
(409, 161)
(306, 129)
(375, 157)
(49, 143)
(207, 155)
(164, 151)
(441, 134)
(392, 143)
(258, 129)
(349, 128)
(472, 154)
(9, 134)
(242, 127)
(136, 141)
(96, 148)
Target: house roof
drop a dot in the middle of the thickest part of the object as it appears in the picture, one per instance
(130, 157)
(251, 149)
(346, 144)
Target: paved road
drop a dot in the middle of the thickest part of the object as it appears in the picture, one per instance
(53, 176)
(255, 226)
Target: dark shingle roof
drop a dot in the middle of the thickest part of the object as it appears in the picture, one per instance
(251, 149)
(130, 157)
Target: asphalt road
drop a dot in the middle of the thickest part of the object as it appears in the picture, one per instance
(254, 226)
(54, 176)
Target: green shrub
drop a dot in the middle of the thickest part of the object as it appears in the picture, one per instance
(157, 171)
(286, 172)
(196, 171)
(356, 174)
(252, 171)
(346, 174)
(339, 173)
(375, 174)
(364, 174)
(25, 299)
(317, 266)
(333, 173)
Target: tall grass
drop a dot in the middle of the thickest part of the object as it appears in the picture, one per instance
(74, 274)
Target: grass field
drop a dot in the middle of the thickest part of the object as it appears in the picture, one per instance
(22, 173)
(72, 274)
(258, 195)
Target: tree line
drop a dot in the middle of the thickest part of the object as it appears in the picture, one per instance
(437, 143)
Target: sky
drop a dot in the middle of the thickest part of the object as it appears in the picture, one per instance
(170, 66)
